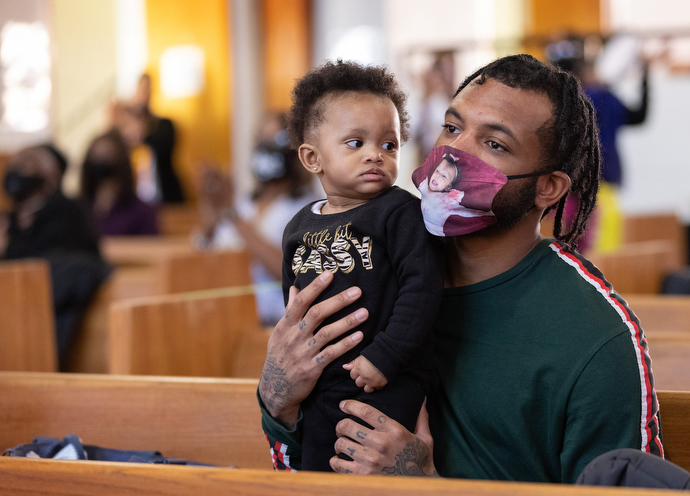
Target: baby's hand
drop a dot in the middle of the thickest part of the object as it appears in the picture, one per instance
(365, 374)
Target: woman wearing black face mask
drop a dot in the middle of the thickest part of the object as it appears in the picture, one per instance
(42, 219)
(44, 223)
(107, 185)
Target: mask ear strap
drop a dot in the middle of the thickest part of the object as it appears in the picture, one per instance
(530, 174)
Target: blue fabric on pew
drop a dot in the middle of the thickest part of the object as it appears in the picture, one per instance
(71, 448)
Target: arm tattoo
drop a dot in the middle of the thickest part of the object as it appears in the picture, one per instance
(411, 461)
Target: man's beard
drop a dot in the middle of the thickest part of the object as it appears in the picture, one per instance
(511, 205)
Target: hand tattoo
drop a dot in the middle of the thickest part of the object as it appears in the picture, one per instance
(411, 461)
(302, 324)
(311, 341)
(274, 386)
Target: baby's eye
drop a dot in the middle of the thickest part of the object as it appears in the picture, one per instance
(355, 143)
(389, 146)
(450, 128)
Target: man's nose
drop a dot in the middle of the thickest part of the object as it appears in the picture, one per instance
(464, 142)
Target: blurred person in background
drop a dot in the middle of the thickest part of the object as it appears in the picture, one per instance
(614, 60)
(438, 85)
(255, 223)
(107, 187)
(157, 134)
(44, 223)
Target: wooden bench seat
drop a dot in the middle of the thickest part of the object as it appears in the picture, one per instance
(22, 476)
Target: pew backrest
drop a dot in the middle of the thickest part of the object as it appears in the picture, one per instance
(199, 270)
(188, 334)
(215, 421)
(675, 426)
(666, 323)
(638, 267)
(27, 318)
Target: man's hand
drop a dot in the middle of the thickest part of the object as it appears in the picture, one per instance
(387, 449)
(365, 374)
(294, 359)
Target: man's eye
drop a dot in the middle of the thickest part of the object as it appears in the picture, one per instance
(495, 146)
(389, 146)
(451, 129)
(355, 143)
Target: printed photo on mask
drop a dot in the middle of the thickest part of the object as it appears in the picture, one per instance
(457, 191)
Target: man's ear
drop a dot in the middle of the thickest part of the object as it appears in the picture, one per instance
(309, 156)
(551, 188)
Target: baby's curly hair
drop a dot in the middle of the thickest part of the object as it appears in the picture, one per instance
(307, 109)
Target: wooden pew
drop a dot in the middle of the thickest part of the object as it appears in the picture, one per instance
(202, 270)
(198, 419)
(658, 227)
(142, 250)
(638, 267)
(178, 220)
(27, 318)
(22, 476)
(675, 426)
(666, 322)
(208, 333)
(215, 421)
(149, 266)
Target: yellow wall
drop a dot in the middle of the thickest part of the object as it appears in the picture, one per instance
(553, 17)
(286, 36)
(202, 121)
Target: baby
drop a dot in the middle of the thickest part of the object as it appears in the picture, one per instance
(348, 122)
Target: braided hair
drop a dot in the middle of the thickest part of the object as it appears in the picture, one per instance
(570, 140)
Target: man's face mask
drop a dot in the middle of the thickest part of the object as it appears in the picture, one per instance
(458, 190)
(20, 187)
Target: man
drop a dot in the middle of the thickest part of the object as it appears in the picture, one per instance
(542, 365)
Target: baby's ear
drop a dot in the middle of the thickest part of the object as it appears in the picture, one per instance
(309, 156)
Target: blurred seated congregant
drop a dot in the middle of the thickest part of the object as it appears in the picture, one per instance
(44, 223)
(256, 222)
(107, 186)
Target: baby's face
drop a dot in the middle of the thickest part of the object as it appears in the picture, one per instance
(443, 177)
